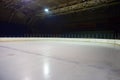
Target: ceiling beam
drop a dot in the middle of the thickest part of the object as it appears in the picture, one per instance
(78, 7)
(13, 13)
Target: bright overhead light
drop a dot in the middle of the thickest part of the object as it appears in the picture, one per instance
(46, 10)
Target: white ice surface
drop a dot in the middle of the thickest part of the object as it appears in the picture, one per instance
(59, 60)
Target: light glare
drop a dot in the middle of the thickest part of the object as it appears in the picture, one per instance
(46, 10)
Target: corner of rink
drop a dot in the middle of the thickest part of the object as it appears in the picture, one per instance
(105, 41)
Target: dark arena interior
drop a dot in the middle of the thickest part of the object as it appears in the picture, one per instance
(59, 39)
(56, 18)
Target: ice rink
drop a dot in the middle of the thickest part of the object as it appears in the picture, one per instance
(59, 59)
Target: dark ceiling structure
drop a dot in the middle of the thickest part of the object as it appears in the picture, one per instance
(67, 14)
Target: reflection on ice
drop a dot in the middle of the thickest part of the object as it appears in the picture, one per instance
(27, 78)
(46, 69)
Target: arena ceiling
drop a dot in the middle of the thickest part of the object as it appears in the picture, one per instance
(27, 11)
